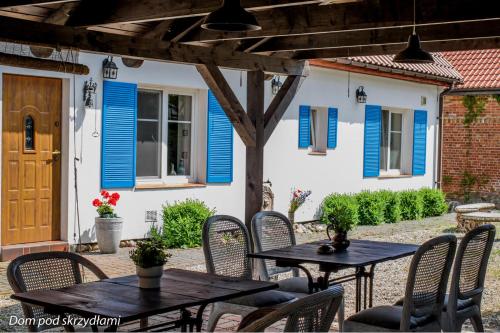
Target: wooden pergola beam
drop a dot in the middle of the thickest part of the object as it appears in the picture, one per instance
(367, 14)
(129, 11)
(16, 30)
(14, 3)
(280, 104)
(432, 46)
(432, 32)
(229, 102)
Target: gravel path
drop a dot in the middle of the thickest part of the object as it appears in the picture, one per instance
(390, 277)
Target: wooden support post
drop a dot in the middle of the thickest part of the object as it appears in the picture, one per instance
(255, 154)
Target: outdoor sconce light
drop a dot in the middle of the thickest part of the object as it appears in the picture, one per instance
(89, 91)
(276, 84)
(109, 69)
(361, 95)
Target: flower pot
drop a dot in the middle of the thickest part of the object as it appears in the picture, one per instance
(109, 233)
(340, 241)
(149, 278)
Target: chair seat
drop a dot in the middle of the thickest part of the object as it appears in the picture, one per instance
(386, 316)
(461, 304)
(294, 285)
(263, 299)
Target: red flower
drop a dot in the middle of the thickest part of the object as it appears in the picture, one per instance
(115, 196)
(105, 194)
(96, 203)
(112, 201)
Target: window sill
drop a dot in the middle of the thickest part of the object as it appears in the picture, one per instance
(394, 176)
(154, 186)
(317, 153)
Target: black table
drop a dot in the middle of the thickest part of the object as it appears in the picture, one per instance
(122, 298)
(359, 255)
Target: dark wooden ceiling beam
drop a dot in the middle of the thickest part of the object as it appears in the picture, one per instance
(380, 36)
(128, 11)
(14, 3)
(229, 102)
(368, 14)
(431, 46)
(16, 30)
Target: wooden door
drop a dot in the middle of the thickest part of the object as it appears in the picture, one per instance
(31, 166)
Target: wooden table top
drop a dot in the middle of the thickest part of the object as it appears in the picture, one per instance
(359, 254)
(122, 297)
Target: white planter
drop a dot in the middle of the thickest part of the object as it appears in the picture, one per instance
(109, 233)
(149, 278)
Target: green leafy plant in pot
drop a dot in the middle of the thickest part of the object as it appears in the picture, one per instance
(340, 213)
(149, 257)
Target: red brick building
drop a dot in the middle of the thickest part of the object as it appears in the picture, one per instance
(470, 167)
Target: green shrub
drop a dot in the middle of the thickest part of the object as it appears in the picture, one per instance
(343, 208)
(411, 205)
(371, 208)
(183, 221)
(392, 206)
(434, 202)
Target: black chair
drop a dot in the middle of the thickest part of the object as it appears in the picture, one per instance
(467, 282)
(49, 270)
(226, 245)
(424, 295)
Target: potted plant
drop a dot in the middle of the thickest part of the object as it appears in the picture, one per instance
(340, 213)
(108, 225)
(297, 200)
(149, 257)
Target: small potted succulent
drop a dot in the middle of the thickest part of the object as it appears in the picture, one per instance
(340, 213)
(149, 257)
(108, 225)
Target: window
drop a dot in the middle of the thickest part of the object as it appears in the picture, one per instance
(164, 135)
(391, 142)
(29, 133)
(319, 130)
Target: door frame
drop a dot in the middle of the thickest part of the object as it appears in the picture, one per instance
(58, 206)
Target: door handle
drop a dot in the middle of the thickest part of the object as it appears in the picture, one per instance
(55, 155)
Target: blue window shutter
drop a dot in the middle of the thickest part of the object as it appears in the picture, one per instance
(304, 126)
(419, 142)
(333, 117)
(219, 143)
(119, 121)
(373, 127)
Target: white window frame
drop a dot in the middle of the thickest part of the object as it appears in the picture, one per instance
(389, 171)
(164, 177)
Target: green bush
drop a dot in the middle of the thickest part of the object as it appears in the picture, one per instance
(370, 208)
(392, 206)
(434, 202)
(411, 205)
(183, 221)
(343, 208)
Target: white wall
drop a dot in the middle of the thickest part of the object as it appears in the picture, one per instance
(285, 165)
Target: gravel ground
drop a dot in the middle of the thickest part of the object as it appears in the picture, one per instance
(390, 277)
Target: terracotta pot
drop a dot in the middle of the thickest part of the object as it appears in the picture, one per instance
(340, 241)
(149, 278)
(109, 233)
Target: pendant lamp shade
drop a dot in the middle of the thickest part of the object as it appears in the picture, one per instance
(413, 53)
(231, 17)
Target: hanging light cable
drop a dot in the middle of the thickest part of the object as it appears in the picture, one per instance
(413, 53)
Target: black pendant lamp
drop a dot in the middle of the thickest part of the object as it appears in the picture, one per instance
(231, 17)
(413, 53)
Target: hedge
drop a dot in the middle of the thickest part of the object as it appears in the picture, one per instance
(373, 208)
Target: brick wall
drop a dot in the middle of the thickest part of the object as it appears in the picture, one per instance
(484, 160)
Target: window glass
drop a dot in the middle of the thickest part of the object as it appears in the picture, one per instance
(396, 121)
(148, 133)
(179, 135)
(29, 133)
(390, 141)
(395, 160)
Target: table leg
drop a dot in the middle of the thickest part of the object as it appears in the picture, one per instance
(199, 317)
(143, 322)
(311, 284)
(371, 276)
(360, 272)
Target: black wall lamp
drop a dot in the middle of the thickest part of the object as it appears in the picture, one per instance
(109, 69)
(361, 95)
